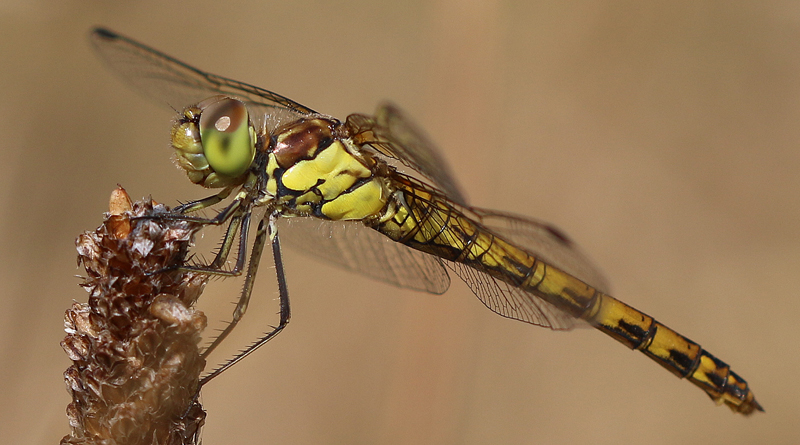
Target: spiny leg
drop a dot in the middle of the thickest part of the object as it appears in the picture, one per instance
(244, 298)
(239, 223)
(239, 217)
(285, 311)
(215, 268)
(239, 220)
(222, 216)
(194, 206)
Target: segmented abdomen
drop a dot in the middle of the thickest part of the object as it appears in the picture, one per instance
(426, 221)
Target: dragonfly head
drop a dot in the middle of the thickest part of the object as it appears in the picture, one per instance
(215, 141)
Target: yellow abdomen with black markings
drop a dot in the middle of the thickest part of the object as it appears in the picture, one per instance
(430, 223)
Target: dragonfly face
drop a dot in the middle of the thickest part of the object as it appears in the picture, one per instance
(350, 204)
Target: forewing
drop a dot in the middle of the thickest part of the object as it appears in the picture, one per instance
(353, 246)
(172, 82)
(391, 133)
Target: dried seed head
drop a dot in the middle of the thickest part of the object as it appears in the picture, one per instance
(134, 345)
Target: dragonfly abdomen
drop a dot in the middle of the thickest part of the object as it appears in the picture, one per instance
(673, 351)
(429, 223)
(637, 330)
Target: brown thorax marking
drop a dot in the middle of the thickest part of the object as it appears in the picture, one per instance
(302, 139)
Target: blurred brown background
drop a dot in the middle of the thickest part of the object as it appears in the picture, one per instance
(663, 137)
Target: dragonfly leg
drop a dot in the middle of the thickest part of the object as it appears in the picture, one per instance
(239, 218)
(237, 222)
(242, 225)
(222, 216)
(193, 206)
(285, 312)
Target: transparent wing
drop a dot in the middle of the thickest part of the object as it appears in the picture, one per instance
(447, 220)
(391, 133)
(353, 246)
(512, 302)
(174, 83)
(450, 228)
(545, 242)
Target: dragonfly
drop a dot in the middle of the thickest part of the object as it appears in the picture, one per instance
(372, 195)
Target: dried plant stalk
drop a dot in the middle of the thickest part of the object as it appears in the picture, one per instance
(134, 345)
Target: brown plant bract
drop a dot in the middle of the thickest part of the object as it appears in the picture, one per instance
(134, 345)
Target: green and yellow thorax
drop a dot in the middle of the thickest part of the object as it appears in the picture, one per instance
(314, 168)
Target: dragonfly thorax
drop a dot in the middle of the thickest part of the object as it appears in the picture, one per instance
(302, 139)
(314, 168)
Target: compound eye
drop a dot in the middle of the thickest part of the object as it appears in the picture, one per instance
(226, 134)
